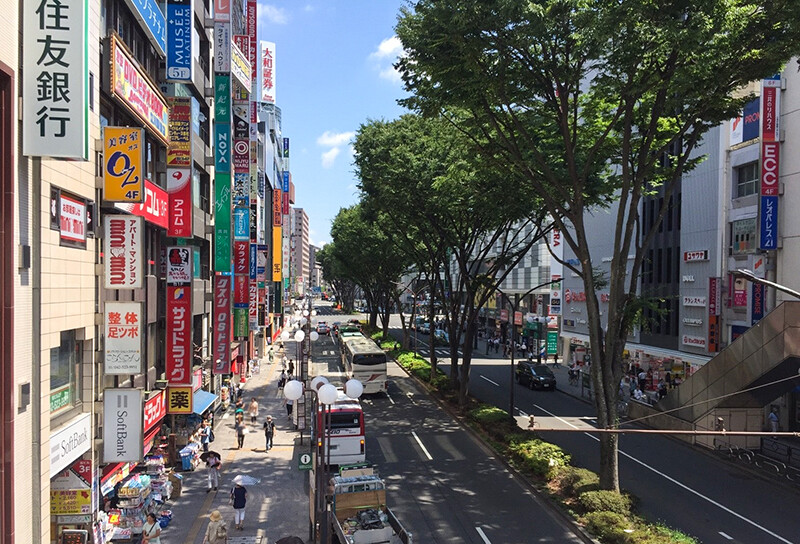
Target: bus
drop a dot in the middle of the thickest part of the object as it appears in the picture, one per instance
(346, 435)
(365, 361)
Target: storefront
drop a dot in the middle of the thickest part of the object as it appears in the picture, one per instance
(73, 497)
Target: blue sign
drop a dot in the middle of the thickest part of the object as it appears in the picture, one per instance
(768, 213)
(152, 20)
(751, 120)
(241, 223)
(286, 181)
(222, 157)
(253, 261)
(179, 40)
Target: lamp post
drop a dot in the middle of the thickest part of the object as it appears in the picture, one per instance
(325, 395)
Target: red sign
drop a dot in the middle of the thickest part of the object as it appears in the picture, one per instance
(241, 290)
(222, 324)
(770, 161)
(572, 296)
(517, 318)
(252, 32)
(285, 203)
(154, 411)
(222, 10)
(503, 315)
(277, 210)
(179, 187)
(179, 335)
(253, 308)
(699, 255)
(241, 257)
(713, 296)
(769, 117)
(153, 209)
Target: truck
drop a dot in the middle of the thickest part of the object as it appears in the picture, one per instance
(359, 514)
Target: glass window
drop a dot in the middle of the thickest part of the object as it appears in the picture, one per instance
(746, 179)
(743, 236)
(65, 361)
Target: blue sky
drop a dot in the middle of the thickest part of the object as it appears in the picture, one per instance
(333, 71)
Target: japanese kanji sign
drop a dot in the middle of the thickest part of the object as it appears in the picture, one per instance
(123, 255)
(179, 400)
(179, 265)
(55, 89)
(123, 338)
(123, 164)
(268, 72)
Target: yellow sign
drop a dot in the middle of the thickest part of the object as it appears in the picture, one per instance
(70, 501)
(277, 245)
(179, 400)
(123, 164)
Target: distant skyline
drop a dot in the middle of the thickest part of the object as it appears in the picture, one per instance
(333, 72)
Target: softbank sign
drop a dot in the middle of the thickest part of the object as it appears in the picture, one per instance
(122, 425)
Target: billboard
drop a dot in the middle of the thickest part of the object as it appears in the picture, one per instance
(222, 222)
(267, 76)
(122, 425)
(222, 324)
(179, 357)
(122, 348)
(179, 265)
(123, 164)
(123, 253)
(179, 41)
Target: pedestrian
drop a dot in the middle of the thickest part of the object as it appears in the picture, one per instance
(241, 430)
(291, 367)
(239, 406)
(239, 500)
(269, 432)
(213, 463)
(662, 389)
(151, 530)
(253, 409)
(281, 381)
(217, 530)
(773, 419)
(289, 403)
(642, 379)
(205, 435)
(668, 379)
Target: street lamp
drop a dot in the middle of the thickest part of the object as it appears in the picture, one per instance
(325, 395)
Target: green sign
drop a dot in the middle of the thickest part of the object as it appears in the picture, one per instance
(304, 461)
(59, 399)
(222, 98)
(241, 325)
(222, 222)
(552, 342)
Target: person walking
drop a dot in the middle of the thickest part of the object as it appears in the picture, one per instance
(213, 463)
(151, 530)
(289, 403)
(773, 419)
(217, 530)
(253, 409)
(239, 500)
(241, 430)
(205, 435)
(269, 432)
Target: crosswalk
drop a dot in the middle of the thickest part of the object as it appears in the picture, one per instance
(440, 352)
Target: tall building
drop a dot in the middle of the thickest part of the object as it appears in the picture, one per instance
(300, 270)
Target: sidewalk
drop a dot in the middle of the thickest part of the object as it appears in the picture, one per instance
(278, 506)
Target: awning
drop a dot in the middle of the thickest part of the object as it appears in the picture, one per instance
(202, 401)
(691, 358)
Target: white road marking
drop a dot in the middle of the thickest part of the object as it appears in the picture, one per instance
(676, 482)
(226, 415)
(388, 396)
(729, 537)
(424, 450)
(483, 536)
(523, 414)
(490, 381)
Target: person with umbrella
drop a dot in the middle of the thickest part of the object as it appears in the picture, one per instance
(213, 463)
(239, 500)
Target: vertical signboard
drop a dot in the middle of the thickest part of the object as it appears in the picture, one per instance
(222, 47)
(267, 76)
(222, 222)
(123, 164)
(122, 425)
(222, 324)
(179, 316)
(55, 82)
(757, 302)
(770, 163)
(714, 301)
(179, 41)
(122, 349)
(179, 168)
(222, 10)
(123, 253)
(277, 253)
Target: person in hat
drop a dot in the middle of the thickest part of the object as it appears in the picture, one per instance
(269, 432)
(239, 499)
(217, 530)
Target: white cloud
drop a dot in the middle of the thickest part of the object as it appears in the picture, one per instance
(267, 13)
(383, 59)
(390, 74)
(390, 48)
(335, 139)
(329, 157)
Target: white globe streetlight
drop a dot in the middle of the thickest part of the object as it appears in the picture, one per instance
(353, 389)
(299, 336)
(303, 321)
(327, 394)
(293, 390)
(314, 336)
(285, 335)
(318, 382)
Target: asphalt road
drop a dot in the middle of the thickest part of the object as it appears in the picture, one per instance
(443, 485)
(676, 484)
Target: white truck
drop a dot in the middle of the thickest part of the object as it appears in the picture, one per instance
(359, 514)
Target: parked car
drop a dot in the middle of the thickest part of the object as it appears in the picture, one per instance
(535, 376)
(323, 328)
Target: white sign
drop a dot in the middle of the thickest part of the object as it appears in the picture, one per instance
(123, 340)
(179, 265)
(267, 72)
(55, 90)
(694, 341)
(122, 425)
(692, 322)
(240, 67)
(222, 47)
(694, 301)
(123, 254)
(69, 443)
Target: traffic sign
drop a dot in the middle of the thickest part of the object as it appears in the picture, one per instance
(304, 461)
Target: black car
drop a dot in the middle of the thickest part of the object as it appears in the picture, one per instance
(535, 376)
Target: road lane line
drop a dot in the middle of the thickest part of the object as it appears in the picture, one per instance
(729, 537)
(388, 396)
(424, 450)
(679, 484)
(483, 536)
(490, 381)
(523, 414)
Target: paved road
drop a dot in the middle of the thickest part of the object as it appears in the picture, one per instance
(443, 484)
(676, 484)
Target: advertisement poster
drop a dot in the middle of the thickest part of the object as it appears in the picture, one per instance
(123, 260)
(123, 164)
(122, 353)
(179, 265)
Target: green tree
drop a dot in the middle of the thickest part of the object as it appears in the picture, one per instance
(335, 272)
(593, 102)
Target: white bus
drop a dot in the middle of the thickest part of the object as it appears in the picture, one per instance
(365, 361)
(346, 435)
